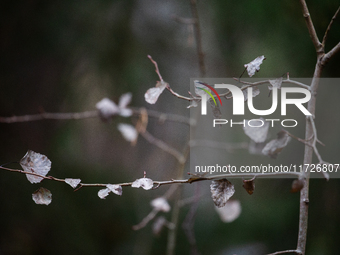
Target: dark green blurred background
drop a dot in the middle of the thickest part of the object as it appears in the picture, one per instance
(65, 56)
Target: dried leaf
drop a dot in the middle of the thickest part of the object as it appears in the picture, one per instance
(72, 182)
(158, 225)
(42, 196)
(255, 148)
(145, 183)
(128, 131)
(193, 103)
(275, 83)
(160, 204)
(249, 185)
(297, 185)
(254, 66)
(274, 147)
(257, 134)
(255, 92)
(151, 96)
(34, 162)
(230, 212)
(107, 108)
(124, 100)
(117, 189)
(221, 191)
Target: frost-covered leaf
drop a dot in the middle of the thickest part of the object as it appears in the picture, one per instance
(275, 83)
(160, 204)
(124, 100)
(221, 191)
(249, 185)
(255, 92)
(230, 212)
(257, 134)
(107, 108)
(274, 147)
(199, 87)
(42, 196)
(145, 183)
(128, 131)
(34, 162)
(72, 182)
(117, 189)
(254, 66)
(297, 185)
(152, 94)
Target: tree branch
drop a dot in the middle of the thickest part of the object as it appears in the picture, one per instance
(329, 27)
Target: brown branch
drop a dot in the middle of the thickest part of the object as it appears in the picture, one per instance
(329, 27)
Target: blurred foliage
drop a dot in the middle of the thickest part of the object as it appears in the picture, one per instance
(64, 56)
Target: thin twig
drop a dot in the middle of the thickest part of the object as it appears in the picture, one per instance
(329, 27)
(162, 145)
(146, 220)
(286, 251)
(157, 70)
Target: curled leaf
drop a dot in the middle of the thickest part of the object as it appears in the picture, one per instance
(193, 103)
(72, 182)
(37, 163)
(221, 191)
(256, 132)
(145, 183)
(160, 204)
(249, 185)
(117, 189)
(152, 94)
(274, 147)
(124, 100)
(230, 212)
(128, 131)
(42, 196)
(254, 66)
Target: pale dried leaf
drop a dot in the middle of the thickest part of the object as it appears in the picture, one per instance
(124, 100)
(107, 108)
(128, 131)
(145, 183)
(193, 103)
(297, 185)
(117, 189)
(158, 225)
(72, 182)
(275, 83)
(42, 196)
(274, 147)
(254, 66)
(256, 148)
(257, 134)
(103, 193)
(255, 92)
(230, 212)
(221, 191)
(151, 96)
(160, 204)
(34, 162)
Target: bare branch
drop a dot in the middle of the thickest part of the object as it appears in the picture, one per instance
(325, 59)
(317, 45)
(156, 66)
(146, 220)
(162, 145)
(329, 27)
(287, 251)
